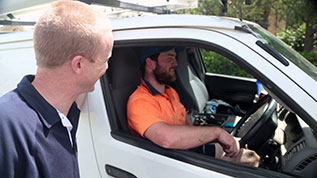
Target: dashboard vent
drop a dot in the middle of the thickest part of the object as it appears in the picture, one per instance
(301, 145)
(306, 162)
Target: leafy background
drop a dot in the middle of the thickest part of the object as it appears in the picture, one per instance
(294, 22)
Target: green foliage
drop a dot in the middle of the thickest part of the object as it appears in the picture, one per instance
(258, 11)
(311, 56)
(207, 7)
(295, 37)
(298, 12)
(216, 63)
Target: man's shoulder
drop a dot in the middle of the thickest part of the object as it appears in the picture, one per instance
(140, 92)
(9, 99)
(14, 110)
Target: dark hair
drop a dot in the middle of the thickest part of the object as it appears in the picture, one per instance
(154, 57)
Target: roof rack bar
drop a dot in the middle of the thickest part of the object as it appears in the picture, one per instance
(125, 5)
(10, 22)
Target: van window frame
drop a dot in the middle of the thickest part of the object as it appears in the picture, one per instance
(195, 159)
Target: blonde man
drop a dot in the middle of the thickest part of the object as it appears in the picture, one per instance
(38, 120)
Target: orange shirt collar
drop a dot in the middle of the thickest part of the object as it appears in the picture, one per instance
(148, 85)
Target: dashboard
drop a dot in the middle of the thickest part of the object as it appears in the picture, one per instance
(299, 147)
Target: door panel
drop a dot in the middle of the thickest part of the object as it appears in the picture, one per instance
(234, 90)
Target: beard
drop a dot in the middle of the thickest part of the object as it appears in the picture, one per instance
(163, 76)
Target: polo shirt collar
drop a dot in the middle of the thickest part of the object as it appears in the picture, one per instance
(47, 112)
(151, 88)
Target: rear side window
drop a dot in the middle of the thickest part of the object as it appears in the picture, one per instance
(218, 64)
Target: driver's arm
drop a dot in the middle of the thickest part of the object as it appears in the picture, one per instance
(186, 137)
(188, 121)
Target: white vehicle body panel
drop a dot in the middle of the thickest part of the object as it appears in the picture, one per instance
(16, 59)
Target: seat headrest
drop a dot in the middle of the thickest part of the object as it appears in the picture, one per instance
(124, 67)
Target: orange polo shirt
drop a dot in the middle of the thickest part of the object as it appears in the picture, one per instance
(146, 106)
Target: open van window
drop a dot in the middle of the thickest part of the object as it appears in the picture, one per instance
(124, 76)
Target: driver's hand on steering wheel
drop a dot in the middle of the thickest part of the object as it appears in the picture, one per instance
(229, 144)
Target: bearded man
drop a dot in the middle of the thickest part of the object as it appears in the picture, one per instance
(155, 112)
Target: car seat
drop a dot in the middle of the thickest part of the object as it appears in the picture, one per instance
(123, 76)
(192, 91)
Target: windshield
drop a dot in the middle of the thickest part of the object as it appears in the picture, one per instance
(285, 51)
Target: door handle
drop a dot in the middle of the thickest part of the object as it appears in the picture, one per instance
(119, 173)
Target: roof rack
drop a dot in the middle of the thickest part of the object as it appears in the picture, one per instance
(11, 22)
(131, 6)
(11, 11)
(109, 3)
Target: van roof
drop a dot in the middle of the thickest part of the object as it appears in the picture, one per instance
(177, 20)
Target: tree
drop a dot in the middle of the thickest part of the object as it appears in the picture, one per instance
(302, 12)
(296, 13)
(257, 11)
(208, 7)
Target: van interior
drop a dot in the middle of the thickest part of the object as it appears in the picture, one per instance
(267, 126)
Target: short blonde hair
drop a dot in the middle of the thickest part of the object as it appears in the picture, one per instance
(67, 29)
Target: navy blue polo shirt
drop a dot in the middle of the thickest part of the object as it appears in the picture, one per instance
(33, 141)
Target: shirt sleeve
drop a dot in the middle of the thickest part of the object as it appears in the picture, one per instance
(16, 158)
(12, 150)
(142, 113)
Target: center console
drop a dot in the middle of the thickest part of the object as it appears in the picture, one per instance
(224, 121)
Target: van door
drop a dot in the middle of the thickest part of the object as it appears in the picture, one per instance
(115, 149)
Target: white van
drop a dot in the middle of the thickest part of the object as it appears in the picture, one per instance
(282, 131)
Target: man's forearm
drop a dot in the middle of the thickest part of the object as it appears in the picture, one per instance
(186, 137)
(181, 137)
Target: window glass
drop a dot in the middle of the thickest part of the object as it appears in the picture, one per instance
(286, 51)
(216, 63)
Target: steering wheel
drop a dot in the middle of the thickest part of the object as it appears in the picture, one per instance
(259, 122)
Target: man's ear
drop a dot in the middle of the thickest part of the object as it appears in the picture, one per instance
(77, 64)
(149, 62)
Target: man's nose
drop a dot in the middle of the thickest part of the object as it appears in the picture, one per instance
(174, 63)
